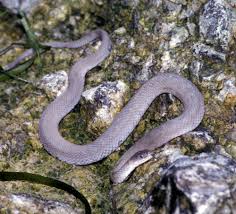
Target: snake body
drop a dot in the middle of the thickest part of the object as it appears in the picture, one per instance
(124, 122)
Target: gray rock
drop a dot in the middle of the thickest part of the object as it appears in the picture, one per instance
(13, 147)
(55, 83)
(155, 3)
(135, 57)
(24, 203)
(231, 135)
(183, 2)
(191, 28)
(179, 35)
(130, 3)
(120, 31)
(215, 24)
(172, 7)
(229, 88)
(146, 73)
(101, 103)
(195, 68)
(16, 5)
(202, 50)
(199, 140)
(201, 184)
(191, 9)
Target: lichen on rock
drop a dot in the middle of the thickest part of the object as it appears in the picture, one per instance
(102, 103)
(198, 183)
(215, 23)
(192, 38)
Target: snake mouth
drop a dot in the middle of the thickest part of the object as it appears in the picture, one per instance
(122, 173)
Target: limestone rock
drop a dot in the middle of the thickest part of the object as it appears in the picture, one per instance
(215, 23)
(201, 184)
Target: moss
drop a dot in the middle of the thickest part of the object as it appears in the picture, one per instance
(21, 104)
(231, 148)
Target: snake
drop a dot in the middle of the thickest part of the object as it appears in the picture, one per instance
(124, 122)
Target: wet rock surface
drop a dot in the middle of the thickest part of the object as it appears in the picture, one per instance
(192, 38)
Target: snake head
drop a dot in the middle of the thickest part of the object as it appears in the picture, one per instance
(122, 173)
(141, 157)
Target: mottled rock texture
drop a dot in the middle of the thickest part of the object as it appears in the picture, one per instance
(194, 38)
(215, 23)
(200, 184)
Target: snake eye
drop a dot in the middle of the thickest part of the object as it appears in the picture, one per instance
(141, 155)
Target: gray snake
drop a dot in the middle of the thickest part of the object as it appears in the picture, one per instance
(124, 122)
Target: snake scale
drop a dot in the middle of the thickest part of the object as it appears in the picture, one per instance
(124, 122)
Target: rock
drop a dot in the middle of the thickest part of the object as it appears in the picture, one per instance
(24, 203)
(202, 184)
(155, 3)
(169, 63)
(191, 8)
(130, 3)
(148, 37)
(202, 50)
(146, 73)
(198, 140)
(55, 83)
(191, 28)
(173, 8)
(183, 2)
(228, 92)
(120, 31)
(24, 5)
(195, 68)
(179, 35)
(13, 147)
(231, 145)
(215, 24)
(59, 13)
(101, 104)
(231, 149)
(128, 196)
(231, 135)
